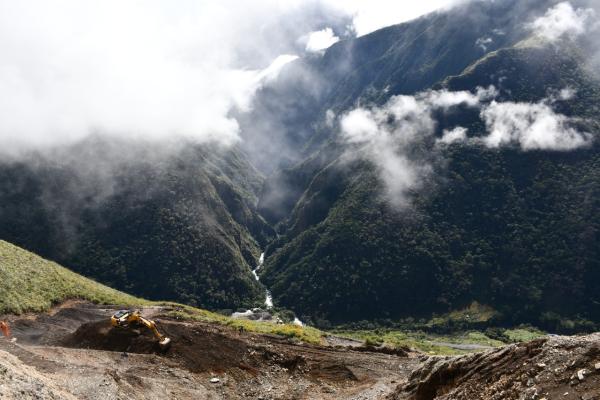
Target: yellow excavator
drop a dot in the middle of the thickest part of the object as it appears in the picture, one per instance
(130, 318)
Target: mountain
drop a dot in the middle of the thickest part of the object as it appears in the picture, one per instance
(162, 223)
(387, 231)
(289, 122)
(513, 229)
(31, 284)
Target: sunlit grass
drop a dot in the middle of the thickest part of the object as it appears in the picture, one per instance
(434, 343)
(523, 335)
(29, 283)
(301, 333)
(474, 313)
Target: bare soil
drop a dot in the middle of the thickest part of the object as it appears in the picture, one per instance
(73, 352)
(556, 367)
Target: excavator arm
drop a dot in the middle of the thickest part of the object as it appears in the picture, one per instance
(126, 318)
(162, 339)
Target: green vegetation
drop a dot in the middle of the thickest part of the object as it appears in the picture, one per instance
(428, 343)
(522, 335)
(473, 315)
(450, 344)
(30, 283)
(301, 333)
(496, 237)
(179, 227)
(514, 230)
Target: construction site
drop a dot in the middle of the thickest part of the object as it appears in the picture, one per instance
(75, 351)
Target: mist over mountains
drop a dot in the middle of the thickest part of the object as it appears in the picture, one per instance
(411, 171)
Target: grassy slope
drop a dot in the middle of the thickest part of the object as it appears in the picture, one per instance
(29, 283)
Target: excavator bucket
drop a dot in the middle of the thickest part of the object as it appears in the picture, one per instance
(165, 342)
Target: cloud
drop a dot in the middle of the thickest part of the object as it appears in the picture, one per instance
(530, 126)
(136, 69)
(147, 69)
(562, 20)
(458, 134)
(272, 71)
(321, 40)
(388, 136)
(398, 138)
(483, 43)
(369, 16)
(386, 147)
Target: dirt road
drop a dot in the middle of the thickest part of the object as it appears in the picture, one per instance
(73, 352)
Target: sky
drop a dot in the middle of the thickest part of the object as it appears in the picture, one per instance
(156, 69)
(368, 16)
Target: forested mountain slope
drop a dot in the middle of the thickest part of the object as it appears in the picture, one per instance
(413, 171)
(165, 223)
(507, 226)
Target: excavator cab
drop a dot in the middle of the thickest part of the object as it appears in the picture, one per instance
(129, 318)
(121, 318)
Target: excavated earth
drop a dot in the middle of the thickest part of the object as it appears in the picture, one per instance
(73, 353)
(555, 367)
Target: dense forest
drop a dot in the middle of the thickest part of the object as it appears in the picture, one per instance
(173, 227)
(511, 228)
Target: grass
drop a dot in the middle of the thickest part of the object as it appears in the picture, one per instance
(434, 344)
(427, 343)
(29, 283)
(523, 335)
(301, 333)
(475, 313)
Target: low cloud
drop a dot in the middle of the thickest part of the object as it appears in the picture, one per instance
(388, 136)
(135, 69)
(458, 134)
(321, 40)
(484, 42)
(369, 16)
(150, 70)
(393, 136)
(561, 21)
(531, 127)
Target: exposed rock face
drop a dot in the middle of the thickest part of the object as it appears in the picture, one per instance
(549, 368)
(19, 381)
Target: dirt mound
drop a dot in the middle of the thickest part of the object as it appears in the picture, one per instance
(63, 347)
(102, 336)
(207, 348)
(557, 367)
(20, 381)
(198, 349)
(51, 328)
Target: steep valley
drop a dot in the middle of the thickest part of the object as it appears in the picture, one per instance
(512, 228)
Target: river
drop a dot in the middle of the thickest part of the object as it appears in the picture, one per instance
(268, 297)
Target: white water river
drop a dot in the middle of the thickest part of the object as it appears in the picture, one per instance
(268, 297)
